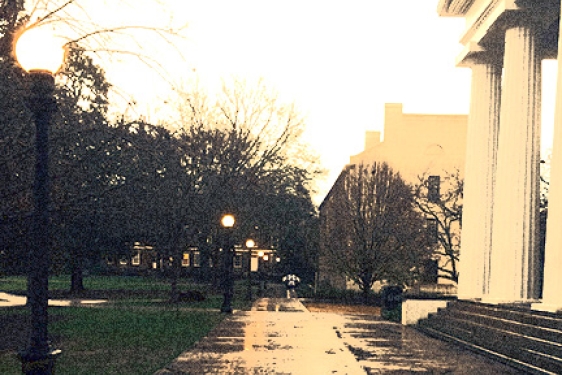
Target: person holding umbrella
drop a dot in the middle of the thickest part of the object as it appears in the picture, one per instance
(291, 282)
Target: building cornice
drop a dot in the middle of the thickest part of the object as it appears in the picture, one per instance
(499, 14)
(453, 8)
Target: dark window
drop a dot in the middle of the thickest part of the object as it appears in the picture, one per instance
(238, 261)
(430, 272)
(431, 225)
(433, 191)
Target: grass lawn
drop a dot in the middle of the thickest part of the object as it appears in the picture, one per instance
(138, 332)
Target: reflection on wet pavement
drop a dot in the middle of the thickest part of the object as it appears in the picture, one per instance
(279, 336)
(383, 347)
(279, 304)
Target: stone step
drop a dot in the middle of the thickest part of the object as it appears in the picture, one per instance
(511, 344)
(523, 315)
(527, 339)
(526, 367)
(505, 324)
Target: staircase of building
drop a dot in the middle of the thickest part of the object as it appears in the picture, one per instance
(528, 340)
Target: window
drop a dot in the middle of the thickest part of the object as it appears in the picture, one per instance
(433, 191)
(431, 225)
(238, 261)
(430, 272)
(185, 260)
(196, 259)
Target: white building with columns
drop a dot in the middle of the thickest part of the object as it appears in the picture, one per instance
(504, 44)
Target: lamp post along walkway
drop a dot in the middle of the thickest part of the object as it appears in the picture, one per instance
(227, 223)
(249, 246)
(41, 57)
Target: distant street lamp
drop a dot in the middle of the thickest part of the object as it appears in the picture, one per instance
(41, 56)
(262, 256)
(249, 245)
(227, 223)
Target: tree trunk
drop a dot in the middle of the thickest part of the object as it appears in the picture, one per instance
(174, 291)
(365, 287)
(204, 256)
(77, 276)
(217, 270)
(174, 277)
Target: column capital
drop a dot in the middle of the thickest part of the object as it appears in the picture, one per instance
(475, 55)
(524, 18)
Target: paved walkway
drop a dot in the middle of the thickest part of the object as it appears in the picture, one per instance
(280, 336)
(10, 300)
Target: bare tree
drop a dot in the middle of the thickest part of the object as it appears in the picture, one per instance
(374, 232)
(242, 149)
(244, 138)
(440, 201)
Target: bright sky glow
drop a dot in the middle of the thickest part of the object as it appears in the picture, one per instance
(339, 60)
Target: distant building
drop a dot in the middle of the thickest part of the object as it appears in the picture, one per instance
(415, 145)
(144, 258)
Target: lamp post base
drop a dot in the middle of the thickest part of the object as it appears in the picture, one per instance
(37, 362)
(226, 307)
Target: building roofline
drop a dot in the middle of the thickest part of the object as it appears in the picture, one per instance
(453, 8)
(335, 184)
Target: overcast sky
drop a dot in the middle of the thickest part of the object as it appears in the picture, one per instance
(340, 61)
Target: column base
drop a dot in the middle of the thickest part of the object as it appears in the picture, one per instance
(548, 307)
(469, 298)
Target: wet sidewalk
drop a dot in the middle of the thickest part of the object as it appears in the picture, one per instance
(280, 336)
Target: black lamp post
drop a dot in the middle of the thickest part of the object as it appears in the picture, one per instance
(261, 289)
(249, 246)
(39, 358)
(227, 223)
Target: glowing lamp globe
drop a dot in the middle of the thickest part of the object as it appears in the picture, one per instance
(250, 243)
(37, 49)
(228, 221)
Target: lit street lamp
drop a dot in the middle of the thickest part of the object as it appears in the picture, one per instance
(261, 258)
(40, 55)
(227, 223)
(249, 245)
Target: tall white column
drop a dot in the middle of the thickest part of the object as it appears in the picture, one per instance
(513, 274)
(481, 151)
(552, 294)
